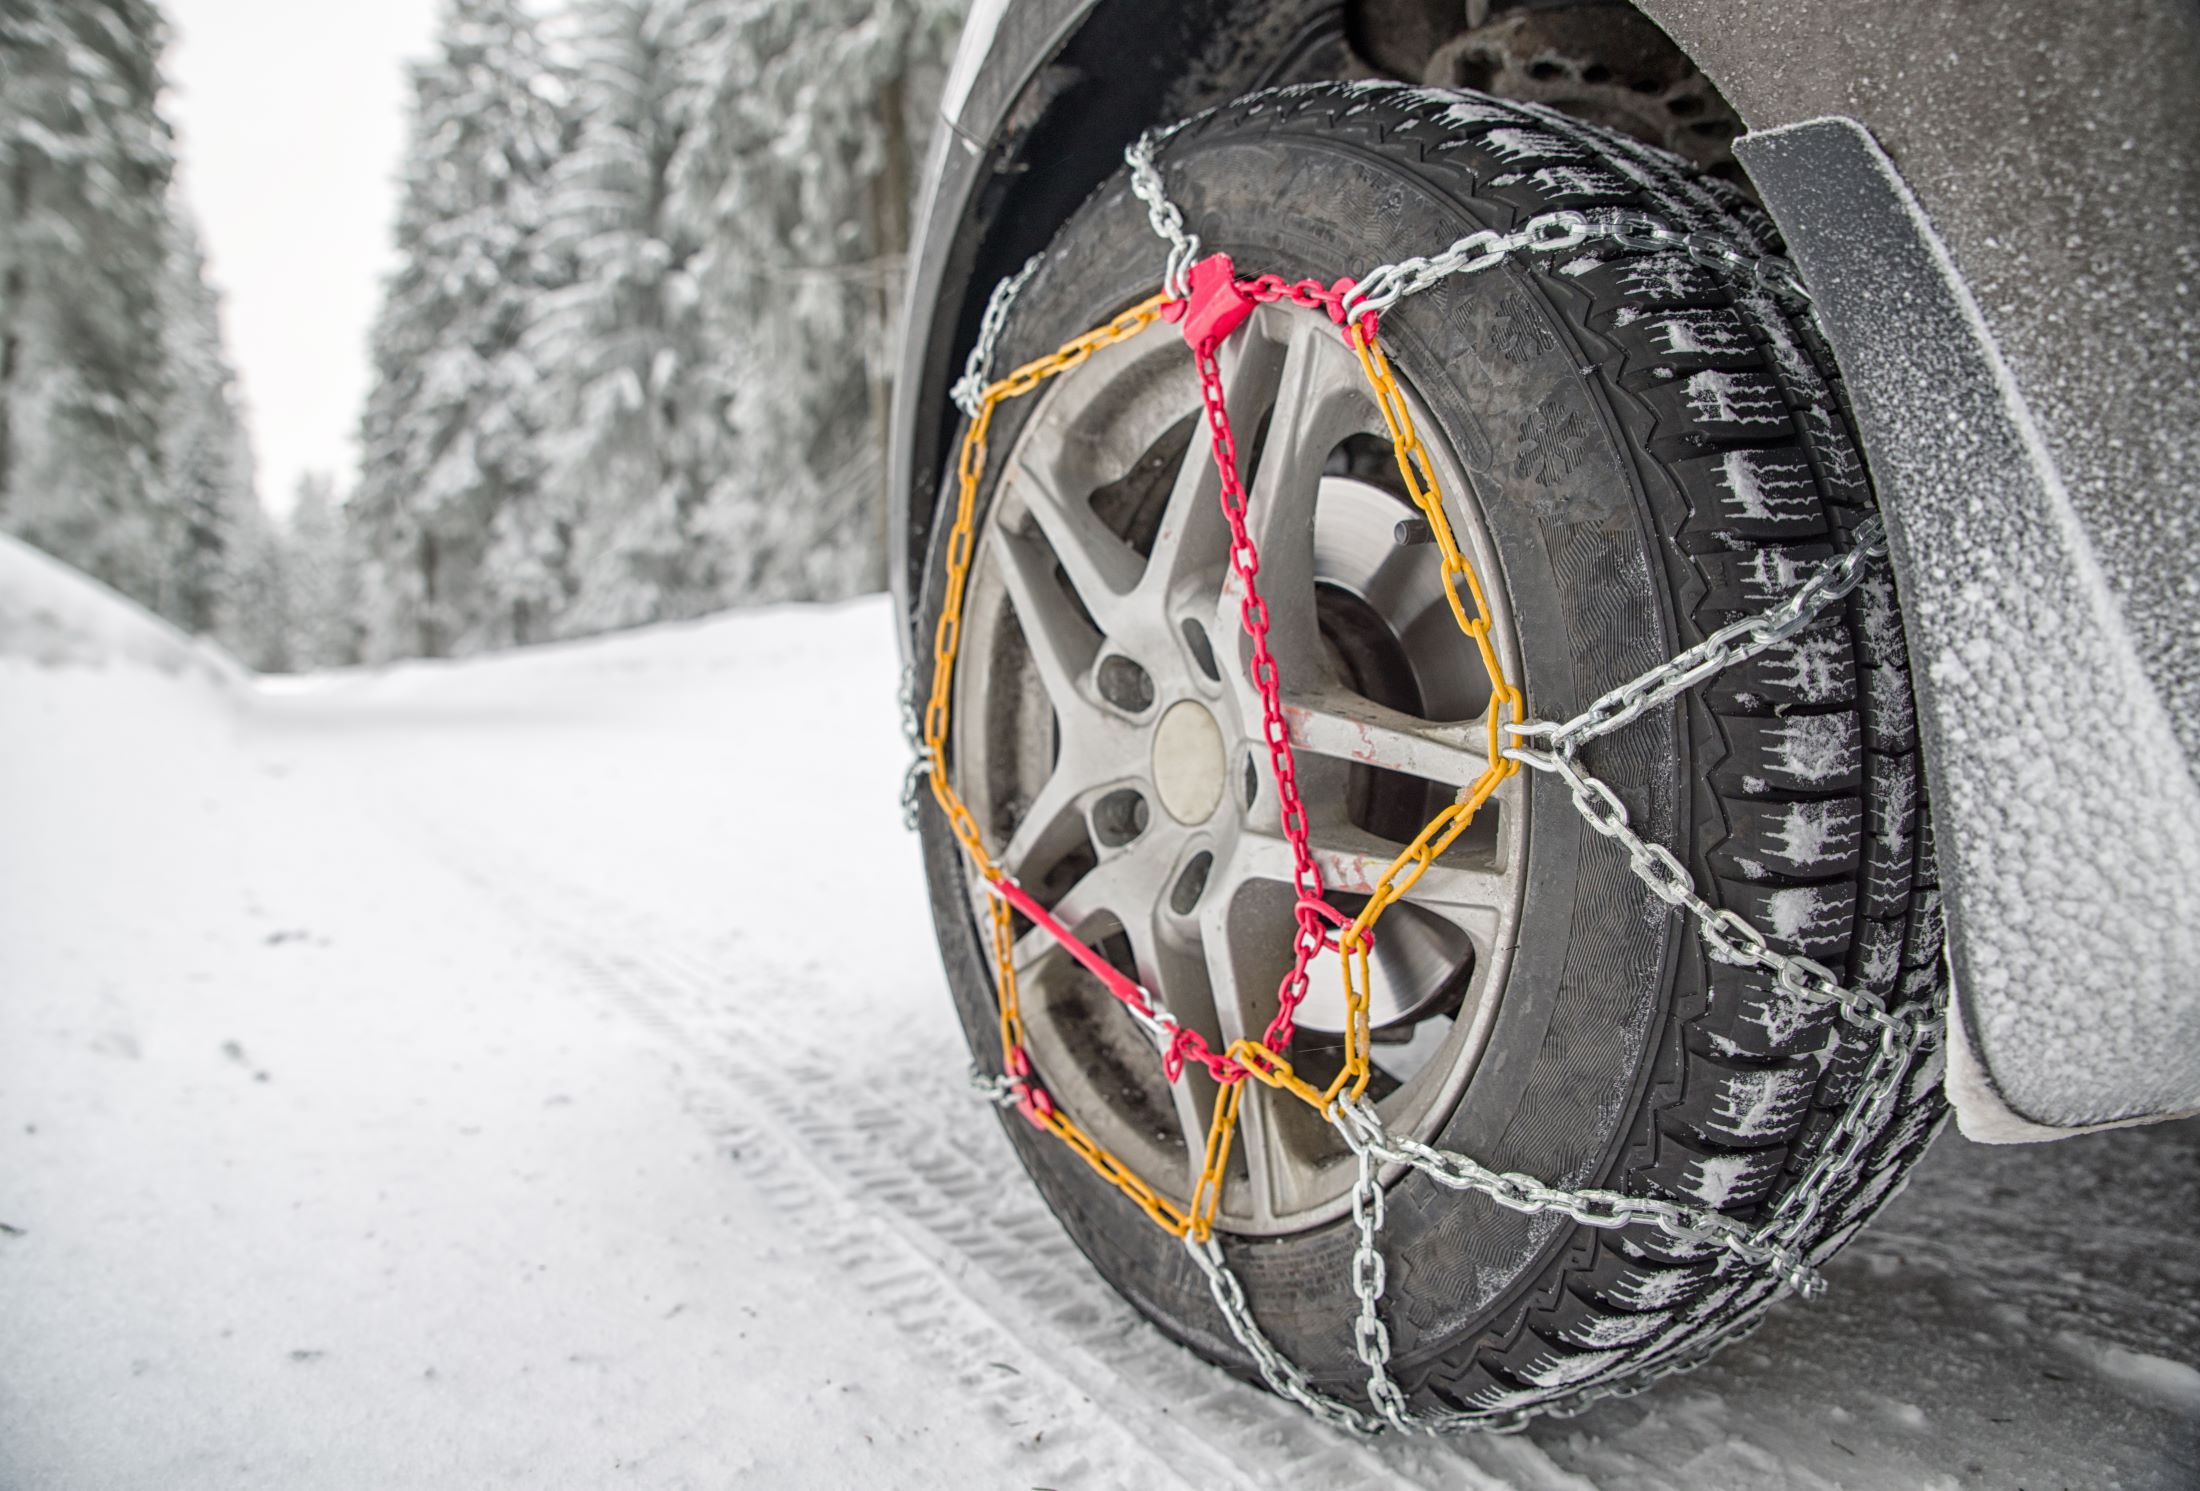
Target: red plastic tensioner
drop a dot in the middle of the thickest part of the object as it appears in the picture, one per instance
(1216, 306)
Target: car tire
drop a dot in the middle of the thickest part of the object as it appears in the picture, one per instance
(1654, 450)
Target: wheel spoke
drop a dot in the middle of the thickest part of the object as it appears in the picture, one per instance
(1166, 957)
(1109, 891)
(1255, 1139)
(1049, 828)
(1277, 1139)
(1312, 410)
(1063, 646)
(1164, 951)
(1352, 862)
(1193, 537)
(1101, 568)
(1127, 886)
(1337, 723)
(1303, 426)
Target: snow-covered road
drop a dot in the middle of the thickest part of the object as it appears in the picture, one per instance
(535, 1072)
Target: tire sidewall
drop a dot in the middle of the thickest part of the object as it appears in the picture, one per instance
(1511, 382)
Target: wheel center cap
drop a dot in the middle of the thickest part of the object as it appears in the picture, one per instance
(1188, 762)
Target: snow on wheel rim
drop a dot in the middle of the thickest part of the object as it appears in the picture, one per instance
(1107, 649)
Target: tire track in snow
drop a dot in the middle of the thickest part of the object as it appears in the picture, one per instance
(930, 1211)
(901, 1279)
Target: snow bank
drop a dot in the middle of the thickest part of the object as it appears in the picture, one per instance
(52, 615)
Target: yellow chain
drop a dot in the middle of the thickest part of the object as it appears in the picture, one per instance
(1440, 832)
(946, 641)
(1259, 1062)
(962, 540)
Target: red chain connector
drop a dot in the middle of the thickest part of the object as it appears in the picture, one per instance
(1032, 1101)
(1217, 306)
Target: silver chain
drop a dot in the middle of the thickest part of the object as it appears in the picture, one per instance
(1277, 1370)
(1168, 222)
(920, 755)
(969, 389)
(1633, 230)
(1387, 284)
(1557, 232)
(1776, 1248)
(1731, 644)
(1730, 936)
(998, 1090)
(1370, 1337)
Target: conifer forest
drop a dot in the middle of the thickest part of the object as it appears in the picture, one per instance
(631, 364)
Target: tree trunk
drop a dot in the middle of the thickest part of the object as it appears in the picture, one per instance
(11, 300)
(890, 206)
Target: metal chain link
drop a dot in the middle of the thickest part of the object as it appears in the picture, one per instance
(998, 1090)
(1735, 643)
(1387, 284)
(1730, 936)
(1775, 1247)
(1370, 1337)
(920, 754)
(1277, 1370)
(1557, 232)
(969, 389)
(1633, 230)
(1168, 222)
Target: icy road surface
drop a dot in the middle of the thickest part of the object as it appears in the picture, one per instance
(535, 1073)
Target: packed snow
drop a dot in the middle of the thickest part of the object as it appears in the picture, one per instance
(536, 1071)
(1763, 486)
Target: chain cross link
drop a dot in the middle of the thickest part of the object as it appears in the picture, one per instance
(1734, 643)
(1280, 1373)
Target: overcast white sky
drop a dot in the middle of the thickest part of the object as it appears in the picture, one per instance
(291, 114)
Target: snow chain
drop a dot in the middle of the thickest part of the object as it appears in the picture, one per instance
(1208, 301)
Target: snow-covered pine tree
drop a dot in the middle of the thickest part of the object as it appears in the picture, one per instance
(717, 269)
(631, 405)
(206, 459)
(324, 582)
(797, 180)
(85, 161)
(259, 623)
(462, 551)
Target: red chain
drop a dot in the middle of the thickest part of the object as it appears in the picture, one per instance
(1217, 305)
(1312, 294)
(1184, 1044)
